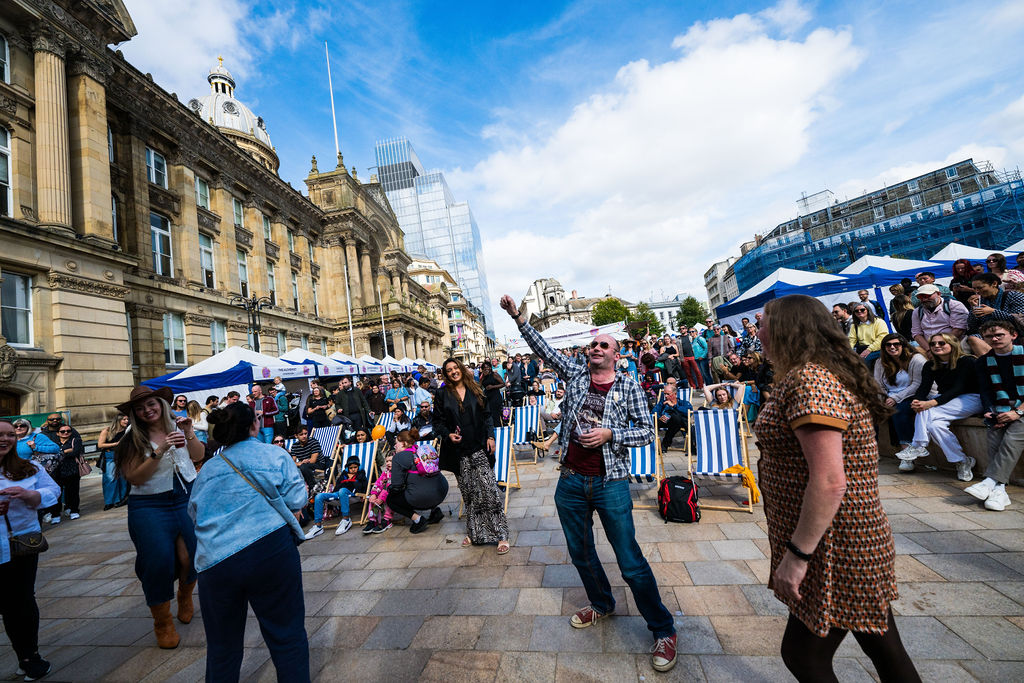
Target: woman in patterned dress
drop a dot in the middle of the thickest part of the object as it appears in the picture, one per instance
(463, 424)
(833, 556)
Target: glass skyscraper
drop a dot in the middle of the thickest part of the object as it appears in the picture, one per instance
(435, 225)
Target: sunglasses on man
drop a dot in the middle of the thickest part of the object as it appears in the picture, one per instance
(603, 344)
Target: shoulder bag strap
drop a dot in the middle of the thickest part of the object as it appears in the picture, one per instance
(290, 522)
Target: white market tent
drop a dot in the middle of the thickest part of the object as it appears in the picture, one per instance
(785, 276)
(427, 364)
(1015, 248)
(885, 263)
(233, 369)
(367, 365)
(954, 251)
(568, 333)
(325, 367)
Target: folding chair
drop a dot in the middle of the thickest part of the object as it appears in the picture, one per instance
(526, 419)
(646, 465)
(684, 394)
(715, 439)
(503, 457)
(386, 419)
(328, 437)
(367, 454)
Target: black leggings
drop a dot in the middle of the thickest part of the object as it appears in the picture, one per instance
(18, 604)
(809, 657)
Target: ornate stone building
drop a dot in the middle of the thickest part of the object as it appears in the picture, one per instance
(465, 334)
(130, 219)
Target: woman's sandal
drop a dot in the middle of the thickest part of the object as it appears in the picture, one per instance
(466, 542)
(504, 547)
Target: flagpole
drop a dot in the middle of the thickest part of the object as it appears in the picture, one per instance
(330, 85)
(383, 332)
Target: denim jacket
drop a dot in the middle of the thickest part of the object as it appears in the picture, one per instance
(625, 408)
(228, 513)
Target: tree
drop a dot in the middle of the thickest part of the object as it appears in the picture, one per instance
(645, 314)
(609, 310)
(691, 311)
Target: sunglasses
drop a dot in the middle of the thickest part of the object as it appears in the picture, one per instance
(278, 441)
(938, 343)
(894, 343)
(64, 431)
(603, 344)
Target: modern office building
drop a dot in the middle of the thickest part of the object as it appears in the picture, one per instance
(968, 203)
(436, 226)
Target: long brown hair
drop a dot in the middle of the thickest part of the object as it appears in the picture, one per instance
(801, 330)
(136, 443)
(467, 381)
(902, 306)
(114, 428)
(13, 466)
(892, 365)
(955, 352)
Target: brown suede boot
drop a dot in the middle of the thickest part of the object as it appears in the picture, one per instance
(163, 626)
(185, 607)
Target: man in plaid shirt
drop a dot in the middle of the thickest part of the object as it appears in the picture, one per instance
(603, 414)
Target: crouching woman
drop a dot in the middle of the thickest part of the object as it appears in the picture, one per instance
(243, 504)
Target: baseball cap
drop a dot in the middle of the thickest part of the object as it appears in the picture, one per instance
(927, 290)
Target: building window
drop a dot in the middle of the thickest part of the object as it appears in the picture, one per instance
(5, 172)
(951, 173)
(160, 233)
(206, 260)
(113, 216)
(271, 282)
(879, 213)
(156, 168)
(309, 243)
(295, 290)
(16, 308)
(323, 347)
(174, 339)
(236, 209)
(282, 342)
(268, 233)
(291, 241)
(316, 303)
(202, 193)
(955, 189)
(218, 336)
(305, 342)
(846, 222)
(243, 273)
(110, 144)
(5, 60)
(814, 219)
(912, 186)
(915, 202)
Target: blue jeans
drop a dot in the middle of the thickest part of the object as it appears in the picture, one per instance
(267, 575)
(115, 488)
(903, 421)
(154, 523)
(266, 435)
(704, 365)
(321, 499)
(576, 498)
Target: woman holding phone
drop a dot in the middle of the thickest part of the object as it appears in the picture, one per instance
(158, 458)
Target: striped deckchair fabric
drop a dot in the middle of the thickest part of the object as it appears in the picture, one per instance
(503, 460)
(526, 419)
(288, 444)
(386, 419)
(715, 442)
(328, 437)
(684, 394)
(367, 453)
(645, 464)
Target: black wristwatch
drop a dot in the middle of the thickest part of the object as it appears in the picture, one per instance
(806, 557)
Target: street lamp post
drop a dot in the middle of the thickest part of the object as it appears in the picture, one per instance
(253, 306)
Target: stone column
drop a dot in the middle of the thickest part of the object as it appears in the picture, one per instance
(355, 290)
(90, 160)
(53, 172)
(396, 286)
(332, 289)
(182, 179)
(398, 341)
(366, 275)
(405, 285)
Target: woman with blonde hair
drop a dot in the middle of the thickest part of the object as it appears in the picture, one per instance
(115, 487)
(833, 558)
(158, 457)
(198, 416)
(955, 376)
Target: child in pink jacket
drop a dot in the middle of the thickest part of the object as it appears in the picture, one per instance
(379, 519)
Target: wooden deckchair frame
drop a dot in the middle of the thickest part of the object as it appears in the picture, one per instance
(744, 460)
(539, 434)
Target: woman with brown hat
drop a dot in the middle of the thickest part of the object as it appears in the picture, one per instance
(158, 457)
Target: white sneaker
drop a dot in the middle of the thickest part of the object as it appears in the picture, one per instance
(997, 501)
(343, 526)
(982, 490)
(74, 515)
(964, 468)
(906, 465)
(314, 531)
(47, 517)
(54, 520)
(912, 453)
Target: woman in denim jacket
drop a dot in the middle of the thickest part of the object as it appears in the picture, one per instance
(244, 504)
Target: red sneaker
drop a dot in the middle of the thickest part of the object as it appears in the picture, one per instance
(588, 616)
(664, 653)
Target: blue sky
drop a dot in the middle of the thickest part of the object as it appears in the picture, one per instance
(621, 146)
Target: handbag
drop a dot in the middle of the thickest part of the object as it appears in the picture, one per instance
(279, 507)
(84, 468)
(24, 545)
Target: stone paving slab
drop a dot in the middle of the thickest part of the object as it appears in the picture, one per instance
(396, 607)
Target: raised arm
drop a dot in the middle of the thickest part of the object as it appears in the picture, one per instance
(563, 365)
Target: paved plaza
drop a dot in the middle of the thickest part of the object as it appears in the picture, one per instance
(398, 607)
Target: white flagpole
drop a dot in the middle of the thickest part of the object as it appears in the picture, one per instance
(383, 332)
(330, 85)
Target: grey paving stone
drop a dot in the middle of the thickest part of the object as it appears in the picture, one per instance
(953, 599)
(594, 667)
(737, 549)
(512, 632)
(425, 602)
(995, 671)
(708, 573)
(763, 600)
(969, 567)
(994, 637)
(554, 634)
(356, 603)
(560, 576)
(924, 638)
(937, 670)
(1006, 539)
(952, 542)
(527, 666)
(393, 633)
(375, 666)
(1014, 561)
(486, 601)
(905, 546)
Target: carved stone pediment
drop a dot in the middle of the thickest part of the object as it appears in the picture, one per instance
(273, 251)
(165, 200)
(196, 319)
(314, 269)
(208, 221)
(296, 261)
(87, 286)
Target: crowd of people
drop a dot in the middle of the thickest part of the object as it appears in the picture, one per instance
(216, 502)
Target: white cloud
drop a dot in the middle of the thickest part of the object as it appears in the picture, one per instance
(629, 183)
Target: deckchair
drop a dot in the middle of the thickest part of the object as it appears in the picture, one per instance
(366, 452)
(328, 437)
(715, 442)
(526, 419)
(646, 464)
(503, 458)
(386, 419)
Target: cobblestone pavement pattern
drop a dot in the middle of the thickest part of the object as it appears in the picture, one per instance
(398, 607)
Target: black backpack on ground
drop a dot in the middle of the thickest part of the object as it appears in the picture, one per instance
(677, 500)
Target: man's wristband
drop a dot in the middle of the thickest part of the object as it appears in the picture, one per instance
(800, 554)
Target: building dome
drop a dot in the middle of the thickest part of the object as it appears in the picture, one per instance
(233, 118)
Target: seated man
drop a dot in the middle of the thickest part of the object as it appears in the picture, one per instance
(1001, 384)
(308, 455)
(424, 421)
(928, 278)
(671, 414)
(349, 484)
(996, 303)
(936, 315)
